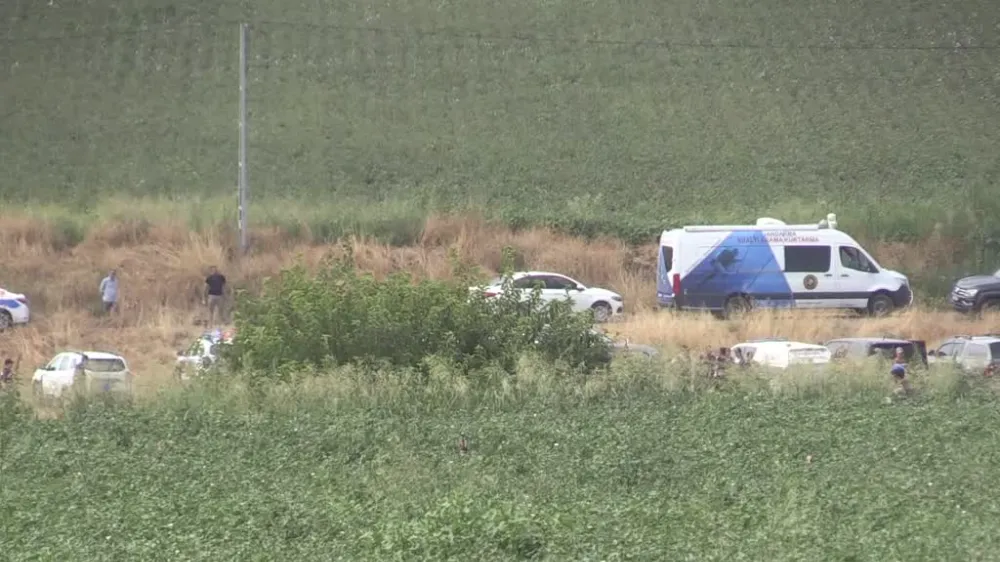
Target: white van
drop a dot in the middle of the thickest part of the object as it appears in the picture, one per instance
(781, 354)
(729, 269)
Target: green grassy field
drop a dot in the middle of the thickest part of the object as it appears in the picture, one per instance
(592, 117)
(629, 466)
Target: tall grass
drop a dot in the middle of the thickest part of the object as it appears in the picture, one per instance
(646, 460)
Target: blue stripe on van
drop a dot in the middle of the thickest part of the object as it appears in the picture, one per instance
(742, 263)
(10, 303)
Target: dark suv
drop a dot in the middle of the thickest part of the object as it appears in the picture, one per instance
(915, 351)
(978, 293)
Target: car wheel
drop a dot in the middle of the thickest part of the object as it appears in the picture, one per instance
(602, 311)
(880, 305)
(736, 306)
(990, 306)
(6, 320)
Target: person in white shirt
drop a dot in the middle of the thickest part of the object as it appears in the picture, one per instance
(109, 291)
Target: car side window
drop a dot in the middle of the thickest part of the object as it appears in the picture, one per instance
(65, 363)
(949, 349)
(853, 258)
(837, 349)
(977, 351)
(54, 364)
(558, 283)
(528, 282)
(807, 259)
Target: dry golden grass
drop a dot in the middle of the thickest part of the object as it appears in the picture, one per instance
(163, 264)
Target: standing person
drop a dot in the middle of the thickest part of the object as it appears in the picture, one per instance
(898, 371)
(215, 293)
(109, 291)
(7, 374)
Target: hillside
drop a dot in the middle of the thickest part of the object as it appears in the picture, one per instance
(593, 117)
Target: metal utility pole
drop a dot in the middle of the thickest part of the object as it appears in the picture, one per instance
(244, 185)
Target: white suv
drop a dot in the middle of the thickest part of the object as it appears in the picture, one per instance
(13, 309)
(972, 353)
(604, 303)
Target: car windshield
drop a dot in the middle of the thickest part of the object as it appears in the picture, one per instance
(888, 350)
(104, 365)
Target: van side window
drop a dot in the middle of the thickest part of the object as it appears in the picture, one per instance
(667, 255)
(852, 258)
(807, 259)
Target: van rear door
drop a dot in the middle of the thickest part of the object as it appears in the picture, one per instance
(665, 296)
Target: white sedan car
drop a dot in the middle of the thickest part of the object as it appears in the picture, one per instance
(605, 304)
(86, 372)
(13, 309)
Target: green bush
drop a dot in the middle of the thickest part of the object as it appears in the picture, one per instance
(338, 316)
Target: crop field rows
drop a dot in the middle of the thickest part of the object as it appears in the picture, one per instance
(432, 137)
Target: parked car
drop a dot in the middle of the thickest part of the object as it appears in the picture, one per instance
(201, 354)
(971, 353)
(914, 351)
(779, 354)
(605, 304)
(13, 309)
(85, 372)
(977, 293)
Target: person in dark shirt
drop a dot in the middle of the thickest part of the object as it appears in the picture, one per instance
(215, 294)
(7, 374)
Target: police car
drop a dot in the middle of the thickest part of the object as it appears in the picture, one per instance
(13, 309)
(202, 354)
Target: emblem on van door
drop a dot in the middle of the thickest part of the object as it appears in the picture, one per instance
(810, 282)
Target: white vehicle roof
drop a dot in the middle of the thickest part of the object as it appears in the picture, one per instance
(97, 354)
(781, 344)
(763, 224)
(519, 274)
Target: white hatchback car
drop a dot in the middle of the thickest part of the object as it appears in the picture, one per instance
(82, 371)
(13, 309)
(604, 303)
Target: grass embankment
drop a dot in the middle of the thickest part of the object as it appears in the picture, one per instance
(163, 250)
(634, 464)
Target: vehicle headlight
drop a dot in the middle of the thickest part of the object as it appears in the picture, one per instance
(617, 298)
(971, 292)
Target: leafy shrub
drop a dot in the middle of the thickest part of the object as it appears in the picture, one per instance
(339, 316)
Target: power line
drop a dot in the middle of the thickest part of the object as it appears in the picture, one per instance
(522, 37)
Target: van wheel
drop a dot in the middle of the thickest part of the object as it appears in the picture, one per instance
(736, 306)
(6, 320)
(880, 305)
